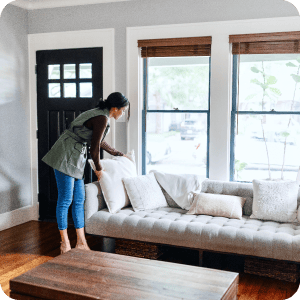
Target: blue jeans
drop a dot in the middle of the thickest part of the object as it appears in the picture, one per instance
(69, 188)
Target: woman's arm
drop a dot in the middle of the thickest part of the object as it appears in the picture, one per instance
(110, 149)
(98, 125)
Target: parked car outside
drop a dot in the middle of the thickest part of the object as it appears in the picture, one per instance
(157, 149)
(190, 129)
(174, 127)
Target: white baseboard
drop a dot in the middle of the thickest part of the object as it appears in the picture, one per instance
(19, 216)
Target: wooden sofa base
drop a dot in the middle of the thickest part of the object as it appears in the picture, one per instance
(277, 269)
(271, 268)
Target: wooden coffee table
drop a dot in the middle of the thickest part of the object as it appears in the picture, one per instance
(86, 275)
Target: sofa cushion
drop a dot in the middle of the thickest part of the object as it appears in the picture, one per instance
(217, 205)
(275, 200)
(173, 226)
(144, 192)
(112, 187)
(244, 190)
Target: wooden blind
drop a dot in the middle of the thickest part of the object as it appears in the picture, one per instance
(266, 43)
(194, 46)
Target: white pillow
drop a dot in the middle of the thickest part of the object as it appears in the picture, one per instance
(180, 186)
(217, 205)
(144, 192)
(275, 200)
(113, 189)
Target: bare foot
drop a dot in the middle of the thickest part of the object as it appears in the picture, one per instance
(64, 247)
(82, 246)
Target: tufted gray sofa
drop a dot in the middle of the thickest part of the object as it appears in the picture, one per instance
(172, 226)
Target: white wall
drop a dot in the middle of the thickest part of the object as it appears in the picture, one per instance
(15, 171)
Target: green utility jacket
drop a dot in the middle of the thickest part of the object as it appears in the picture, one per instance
(68, 154)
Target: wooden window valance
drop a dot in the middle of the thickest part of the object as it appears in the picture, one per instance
(193, 46)
(266, 43)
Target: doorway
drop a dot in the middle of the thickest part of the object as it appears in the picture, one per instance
(69, 82)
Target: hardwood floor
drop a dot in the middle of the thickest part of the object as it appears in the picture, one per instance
(26, 246)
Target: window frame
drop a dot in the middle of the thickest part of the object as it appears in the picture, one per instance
(144, 111)
(220, 81)
(234, 113)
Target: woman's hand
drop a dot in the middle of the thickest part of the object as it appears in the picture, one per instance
(99, 174)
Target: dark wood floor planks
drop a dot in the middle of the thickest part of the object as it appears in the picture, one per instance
(26, 246)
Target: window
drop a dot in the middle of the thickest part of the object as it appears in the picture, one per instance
(69, 82)
(176, 111)
(265, 122)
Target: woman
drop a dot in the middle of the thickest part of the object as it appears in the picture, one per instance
(68, 158)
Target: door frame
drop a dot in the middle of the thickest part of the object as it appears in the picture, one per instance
(64, 40)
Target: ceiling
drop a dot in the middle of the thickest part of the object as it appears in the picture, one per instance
(40, 4)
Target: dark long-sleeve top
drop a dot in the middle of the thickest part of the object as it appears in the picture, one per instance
(110, 150)
(98, 125)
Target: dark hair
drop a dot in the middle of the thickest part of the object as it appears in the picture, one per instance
(115, 99)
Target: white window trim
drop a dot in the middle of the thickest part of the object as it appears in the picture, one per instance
(220, 84)
(65, 40)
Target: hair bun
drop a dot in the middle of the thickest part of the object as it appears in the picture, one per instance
(115, 99)
(108, 103)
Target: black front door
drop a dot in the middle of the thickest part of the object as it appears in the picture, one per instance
(69, 82)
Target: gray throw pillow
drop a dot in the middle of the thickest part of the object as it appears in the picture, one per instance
(275, 200)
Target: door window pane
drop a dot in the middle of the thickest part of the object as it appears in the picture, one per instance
(69, 90)
(54, 90)
(85, 71)
(86, 90)
(69, 71)
(176, 143)
(178, 82)
(53, 71)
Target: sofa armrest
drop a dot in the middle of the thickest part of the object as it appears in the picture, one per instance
(94, 200)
